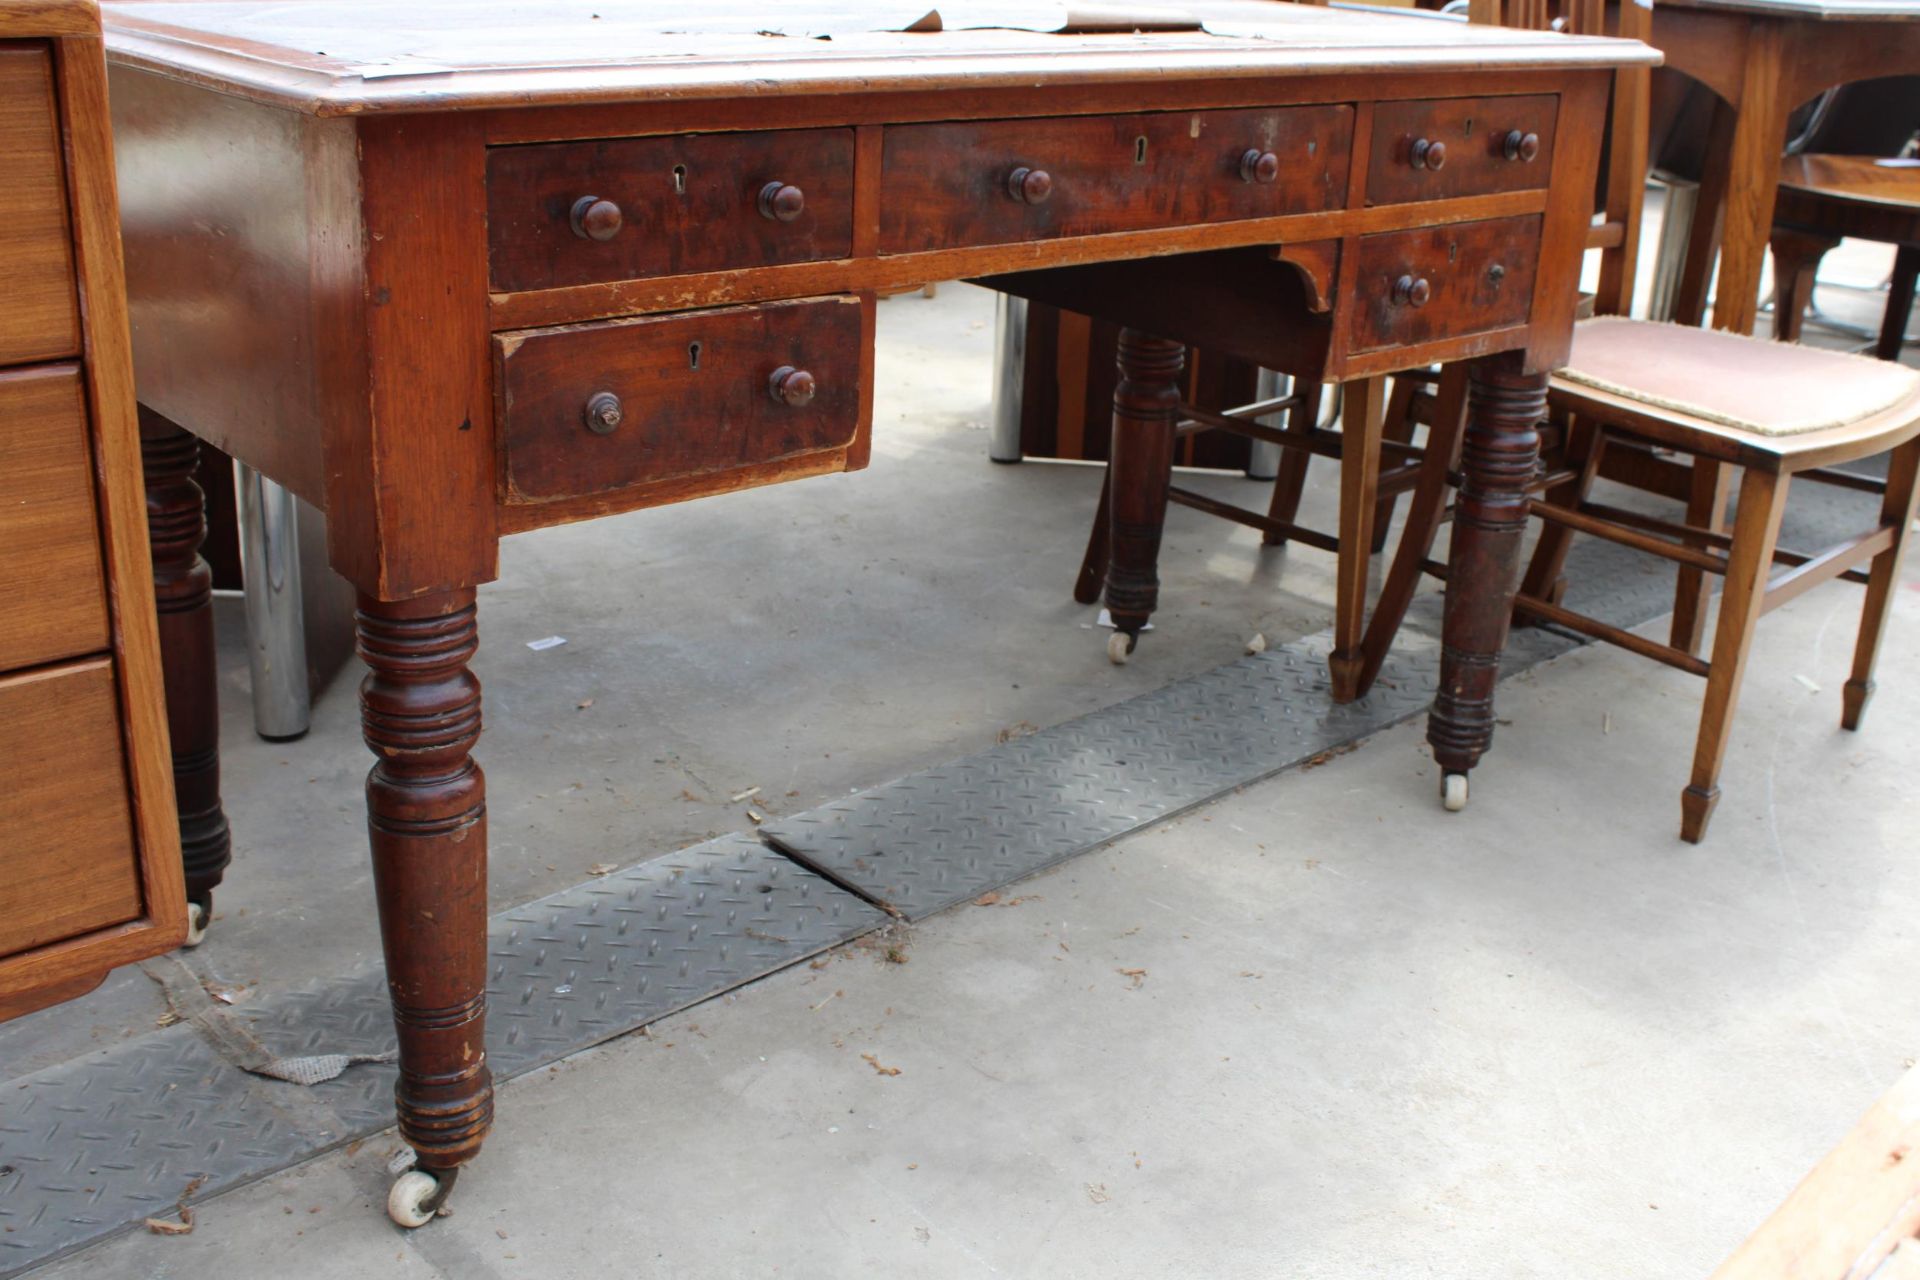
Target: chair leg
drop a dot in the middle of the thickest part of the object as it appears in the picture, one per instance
(1893, 327)
(1291, 481)
(1545, 577)
(1425, 515)
(1360, 428)
(1897, 510)
(1093, 565)
(1756, 527)
(1146, 405)
(1796, 260)
(1399, 428)
(1706, 509)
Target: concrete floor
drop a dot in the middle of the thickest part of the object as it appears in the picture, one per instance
(1368, 1038)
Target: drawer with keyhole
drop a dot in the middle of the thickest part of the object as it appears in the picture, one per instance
(1440, 147)
(695, 402)
(570, 213)
(1421, 286)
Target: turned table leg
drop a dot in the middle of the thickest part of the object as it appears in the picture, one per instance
(1146, 405)
(427, 823)
(183, 592)
(1502, 445)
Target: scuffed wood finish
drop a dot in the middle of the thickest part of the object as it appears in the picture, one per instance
(48, 526)
(684, 204)
(1417, 286)
(427, 822)
(1505, 404)
(948, 185)
(690, 395)
(40, 320)
(359, 271)
(87, 810)
(1474, 133)
(72, 861)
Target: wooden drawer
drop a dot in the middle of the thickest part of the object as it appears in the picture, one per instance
(50, 572)
(697, 202)
(68, 862)
(1487, 145)
(40, 320)
(1442, 282)
(693, 395)
(944, 185)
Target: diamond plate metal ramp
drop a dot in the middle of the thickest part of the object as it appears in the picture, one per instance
(92, 1147)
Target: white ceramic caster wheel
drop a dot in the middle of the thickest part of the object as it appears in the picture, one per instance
(1120, 648)
(414, 1199)
(199, 916)
(1453, 792)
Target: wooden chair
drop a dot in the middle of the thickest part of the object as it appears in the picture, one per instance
(1824, 198)
(1773, 412)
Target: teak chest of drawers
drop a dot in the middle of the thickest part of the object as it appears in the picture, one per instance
(493, 273)
(89, 850)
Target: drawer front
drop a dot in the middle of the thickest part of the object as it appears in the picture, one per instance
(1486, 145)
(68, 860)
(629, 208)
(1442, 282)
(593, 408)
(40, 320)
(1008, 181)
(50, 572)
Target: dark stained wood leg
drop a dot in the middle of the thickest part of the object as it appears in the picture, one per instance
(1146, 406)
(1498, 456)
(427, 822)
(1093, 565)
(1424, 518)
(1796, 261)
(1709, 215)
(1706, 509)
(1361, 424)
(1291, 480)
(1893, 327)
(1897, 511)
(183, 592)
(1756, 527)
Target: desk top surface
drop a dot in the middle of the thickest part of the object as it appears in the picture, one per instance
(1814, 10)
(337, 57)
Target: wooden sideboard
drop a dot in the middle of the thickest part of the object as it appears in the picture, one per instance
(89, 851)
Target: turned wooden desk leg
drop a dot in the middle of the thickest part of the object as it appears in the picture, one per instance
(183, 592)
(427, 823)
(1502, 446)
(1146, 405)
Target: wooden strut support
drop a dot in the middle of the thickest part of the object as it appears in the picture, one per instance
(427, 823)
(1498, 459)
(183, 596)
(1146, 405)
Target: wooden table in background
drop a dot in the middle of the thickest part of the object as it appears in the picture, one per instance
(488, 273)
(1764, 58)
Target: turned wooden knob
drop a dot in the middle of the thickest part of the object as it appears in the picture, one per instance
(1426, 154)
(1520, 146)
(791, 386)
(1030, 186)
(1411, 291)
(603, 413)
(1259, 166)
(781, 203)
(595, 219)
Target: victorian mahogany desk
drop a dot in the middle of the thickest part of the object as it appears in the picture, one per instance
(482, 268)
